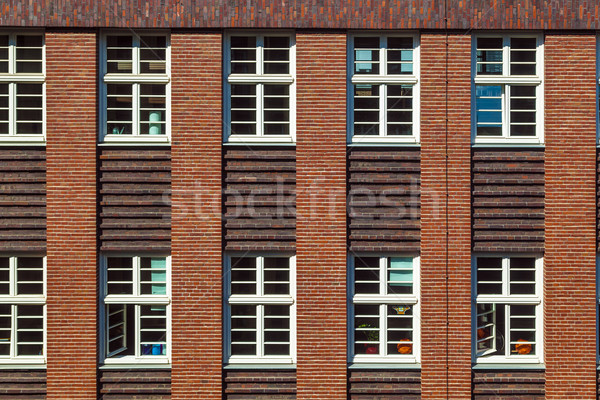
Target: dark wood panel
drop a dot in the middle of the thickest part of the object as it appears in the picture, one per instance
(508, 385)
(135, 198)
(259, 199)
(384, 200)
(23, 200)
(259, 385)
(508, 200)
(132, 385)
(384, 384)
(22, 385)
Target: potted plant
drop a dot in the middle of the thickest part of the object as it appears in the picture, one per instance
(370, 336)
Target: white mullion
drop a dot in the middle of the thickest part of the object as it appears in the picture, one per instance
(12, 53)
(383, 109)
(13, 331)
(382, 276)
(382, 330)
(260, 86)
(507, 312)
(136, 330)
(260, 276)
(383, 55)
(506, 111)
(12, 109)
(135, 275)
(260, 331)
(135, 112)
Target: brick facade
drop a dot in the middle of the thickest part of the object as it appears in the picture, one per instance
(445, 217)
(196, 228)
(321, 215)
(72, 278)
(570, 251)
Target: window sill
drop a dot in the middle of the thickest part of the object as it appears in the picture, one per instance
(383, 141)
(25, 365)
(22, 140)
(129, 140)
(135, 366)
(508, 144)
(395, 365)
(262, 140)
(508, 365)
(232, 366)
(131, 362)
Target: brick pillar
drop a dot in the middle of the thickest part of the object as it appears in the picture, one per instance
(71, 109)
(321, 215)
(443, 377)
(570, 208)
(196, 216)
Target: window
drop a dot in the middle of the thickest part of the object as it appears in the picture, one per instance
(135, 87)
(22, 310)
(22, 88)
(260, 90)
(136, 309)
(508, 310)
(384, 312)
(384, 88)
(508, 89)
(260, 308)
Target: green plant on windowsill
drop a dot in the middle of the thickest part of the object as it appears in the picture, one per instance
(371, 335)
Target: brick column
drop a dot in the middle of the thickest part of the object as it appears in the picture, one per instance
(196, 216)
(570, 208)
(71, 109)
(321, 215)
(443, 377)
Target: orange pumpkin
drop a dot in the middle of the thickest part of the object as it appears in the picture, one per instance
(522, 348)
(404, 348)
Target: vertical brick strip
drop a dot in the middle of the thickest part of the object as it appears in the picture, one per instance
(570, 257)
(321, 215)
(71, 102)
(196, 215)
(445, 378)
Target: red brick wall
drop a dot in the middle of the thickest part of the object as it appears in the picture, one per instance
(445, 375)
(71, 214)
(196, 216)
(570, 256)
(321, 215)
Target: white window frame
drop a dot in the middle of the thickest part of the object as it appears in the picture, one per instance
(535, 300)
(15, 300)
(137, 300)
(259, 79)
(259, 299)
(506, 80)
(135, 79)
(383, 80)
(383, 301)
(13, 78)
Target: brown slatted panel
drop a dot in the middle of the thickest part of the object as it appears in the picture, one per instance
(22, 385)
(381, 384)
(22, 200)
(260, 199)
(135, 195)
(260, 385)
(508, 200)
(384, 201)
(133, 385)
(508, 385)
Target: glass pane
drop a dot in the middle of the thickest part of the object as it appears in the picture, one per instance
(153, 110)
(243, 54)
(522, 275)
(243, 109)
(30, 275)
(522, 330)
(399, 55)
(116, 316)
(400, 275)
(153, 332)
(5, 329)
(489, 275)
(366, 329)
(522, 56)
(366, 109)
(522, 110)
(276, 109)
(153, 54)
(153, 274)
(4, 275)
(400, 331)
(366, 275)
(276, 334)
(276, 275)
(243, 275)
(119, 54)
(120, 275)
(29, 54)
(30, 329)
(488, 103)
(119, 112)
(366, 55)
(489, 56)
(276, 55)
(243, 330)
(3, 54)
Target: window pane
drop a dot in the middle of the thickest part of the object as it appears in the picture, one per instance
(276, 55)
(243, 109)
(489, 56)
(116, 317)
(119, 112)
(243, 275)
(366, 329)
(30, 328)
(522, 56)
(243, 55)
(366, 275)
(400, 329)
(243, 330)
(5, 329)
(4, 275)
(366, 55)
(153, 332)
(3, 56)
(522, 110)
(276, 339)
(30, 275)
(399, 109)
(489, 275)
(400, 275)
(366, 109)
(153, 109)
(29, 108)
(522, 330)
(120, 275)
(486, 329)
(276, 109)
(522, 276)
(276, 275)
(119, 54)
(488, 101)
(29, 54)
(153, 54)
(399, 55)
(153, 275)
